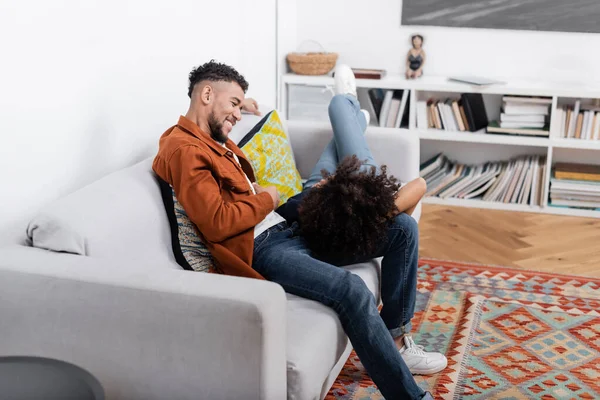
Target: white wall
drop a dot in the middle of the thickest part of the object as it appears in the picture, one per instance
(368, 34)
(87, 87)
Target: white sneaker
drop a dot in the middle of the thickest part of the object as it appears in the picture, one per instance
(421, 362)
(367, 116)
(345, 83)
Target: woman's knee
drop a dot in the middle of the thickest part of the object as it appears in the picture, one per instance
(339, 102)
(407, 225)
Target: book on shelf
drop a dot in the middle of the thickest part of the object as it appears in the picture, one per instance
(402, 118)
(518, 181)
(573, 120)
(476, 115)
(457, 116)
(446, 114)
(463, 115)
(366, 101)
(367, 73)
(522, 118)
(578, 125)
(525, 109)
(575, 185)
(376, 96)
(576, 204)
(511, 124)
(423, 117)
(394, 109)
(385, 107)
(574, 171)
(495, 127)
(527, 99)
(574, 194)
(579, 121)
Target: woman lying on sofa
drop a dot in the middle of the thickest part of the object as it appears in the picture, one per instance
(351, 211)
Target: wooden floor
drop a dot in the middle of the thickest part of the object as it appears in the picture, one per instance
(539, 242)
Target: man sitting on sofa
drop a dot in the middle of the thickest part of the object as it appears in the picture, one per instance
(212, 180)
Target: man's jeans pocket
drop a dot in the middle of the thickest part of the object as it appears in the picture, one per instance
(261, 239)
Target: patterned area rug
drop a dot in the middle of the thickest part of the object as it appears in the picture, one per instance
(507, 333)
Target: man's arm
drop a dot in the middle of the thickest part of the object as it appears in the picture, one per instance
(200, 195)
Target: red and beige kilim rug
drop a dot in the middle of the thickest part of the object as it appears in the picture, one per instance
(507, 333)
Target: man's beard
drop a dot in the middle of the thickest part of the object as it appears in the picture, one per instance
(216, 129)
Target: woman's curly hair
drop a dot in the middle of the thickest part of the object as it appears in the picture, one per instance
(347, 214)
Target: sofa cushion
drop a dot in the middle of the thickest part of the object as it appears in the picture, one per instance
(268, 149)
(120, 216)
(311, 325)
(189, 250)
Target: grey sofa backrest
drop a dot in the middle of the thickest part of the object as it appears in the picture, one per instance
(120, 216)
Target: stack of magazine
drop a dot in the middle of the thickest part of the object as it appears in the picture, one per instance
(523, 115)
(575, 185)
(517, 181)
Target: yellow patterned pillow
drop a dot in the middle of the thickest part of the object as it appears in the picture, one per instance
(268, 149)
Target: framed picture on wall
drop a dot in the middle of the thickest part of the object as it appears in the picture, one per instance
(538, 15)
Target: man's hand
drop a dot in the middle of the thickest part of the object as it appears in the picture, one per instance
(250, 105)
(272, 190)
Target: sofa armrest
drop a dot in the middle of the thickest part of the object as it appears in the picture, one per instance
(399, 150)
(145, 335)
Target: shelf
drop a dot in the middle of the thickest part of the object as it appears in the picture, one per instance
(327, 125)
(498, 145)
(576, 212)
(472, 137)
(576, 144)
(493, 205)
(482, 137)
(442, 84)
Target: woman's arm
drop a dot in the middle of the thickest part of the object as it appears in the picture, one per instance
(409, 195)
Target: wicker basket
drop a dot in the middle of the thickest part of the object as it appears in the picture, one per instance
(312, 63)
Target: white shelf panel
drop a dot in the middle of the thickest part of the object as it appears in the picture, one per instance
(326, 125)
(481, 204)
(482, 137)
(577, 212)
(576, 144)
(442, 84)
(493, 205)
(379, 129)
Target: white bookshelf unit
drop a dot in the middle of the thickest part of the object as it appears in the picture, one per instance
(465, 147)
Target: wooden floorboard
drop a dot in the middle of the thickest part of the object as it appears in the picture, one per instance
(533, 241)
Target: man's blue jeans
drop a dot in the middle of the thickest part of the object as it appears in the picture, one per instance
(281, 255)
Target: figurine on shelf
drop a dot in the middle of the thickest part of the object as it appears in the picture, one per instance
(415, 58)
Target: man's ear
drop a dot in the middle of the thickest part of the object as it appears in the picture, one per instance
(207, 94)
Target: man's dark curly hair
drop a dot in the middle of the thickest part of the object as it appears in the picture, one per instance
(214, 71)
(347, 214)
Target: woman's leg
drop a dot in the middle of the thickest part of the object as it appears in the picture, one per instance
(284, 258)
(328, 161)
(349, 125)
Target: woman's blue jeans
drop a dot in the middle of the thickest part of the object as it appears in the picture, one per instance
(281, 255)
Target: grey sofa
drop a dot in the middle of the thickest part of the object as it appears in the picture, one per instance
(100, 288)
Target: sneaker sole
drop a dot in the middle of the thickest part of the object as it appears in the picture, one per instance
(430, 371)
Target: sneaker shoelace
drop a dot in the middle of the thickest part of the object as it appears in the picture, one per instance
(412, 347)
(328, 88)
